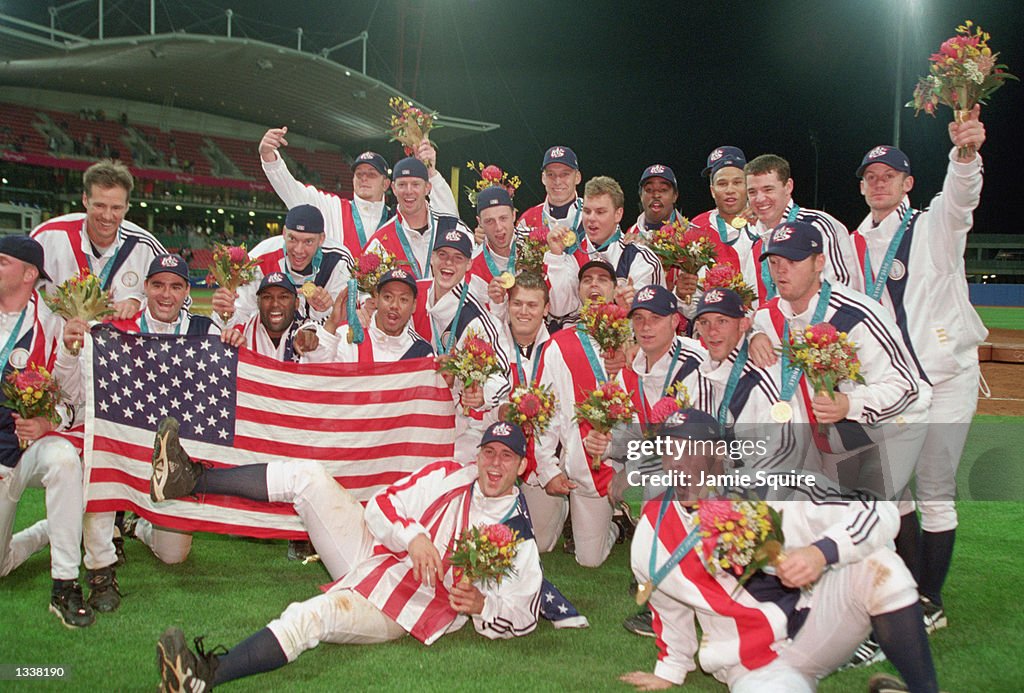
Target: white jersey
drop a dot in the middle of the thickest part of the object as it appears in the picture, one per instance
(377, 346)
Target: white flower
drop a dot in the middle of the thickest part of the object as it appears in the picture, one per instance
(973, 72)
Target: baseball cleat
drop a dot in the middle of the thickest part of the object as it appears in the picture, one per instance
(934, 615)
(181, 670)
(66, 601)
(174, 473)
(104, 592)
(640, 623)
(867, 653)
(884, 683)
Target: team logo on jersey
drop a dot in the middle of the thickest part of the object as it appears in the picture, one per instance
(557, 152)
(657, 168)
(453, 236)
(646, 294)
(275, 278)
(716, 155)
(169, 261)
(714, 296)
(897, 271)
(877, 152)
(783, 234)
(18, 358)
(502, 430)
(130, 279)
(399, 274)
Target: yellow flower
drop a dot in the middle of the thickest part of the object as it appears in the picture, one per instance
(29, 390)
(727, 537)
(730, 525)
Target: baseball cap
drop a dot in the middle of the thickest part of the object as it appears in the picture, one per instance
(606, 266)
(722, 301)
(560, 155)
(25, 249)
(508, 434)
(305, 218)
(655, 298)
(453, 237)
(168, 262)
(372, 159)
(277, 279)
(410, 167)
(722, 157)
(658, 171)
(884, 154)
(793, 240)
(692, 424)
(397, 275)
(493, 196)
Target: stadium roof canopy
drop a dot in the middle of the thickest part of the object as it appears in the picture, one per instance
(239, 78)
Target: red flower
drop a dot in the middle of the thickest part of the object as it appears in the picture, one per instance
(663, 408)
(210, 279)
(719, 276)
(369, 263)
(479, 347)
(529, 405)
(237, 255)
(616, 411)
(695, 235)
(491, 172)
(823, 334)
(498, 534)
(539, 235)
(30, 378)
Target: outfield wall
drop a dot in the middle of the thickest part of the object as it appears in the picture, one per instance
(997, 294)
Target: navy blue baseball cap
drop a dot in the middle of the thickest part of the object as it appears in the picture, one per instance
(722, 301)
(560, 155)
(884, 154)
(659, 171)
(372, 159)
(692, 424)
(793, 240)
(397, 275)
(25, 249)
(454, 238)
(508, 434)
(722, 157)
(410, 167)
(493, 196)
(277, 279)
(305, 219)
(603, 264)
(655, 298)
(168, 262)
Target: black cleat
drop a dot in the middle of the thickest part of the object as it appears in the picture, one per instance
(867, 653)
(174, 473)
(66, 601)
(181, 670)
(934, 615)
(625, 522)
(640, 623)
(104, 592)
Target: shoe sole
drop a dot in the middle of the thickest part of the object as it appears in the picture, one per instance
(932, 625)
(169, 668)
(641, 633)
(161, 463)
(68, 624)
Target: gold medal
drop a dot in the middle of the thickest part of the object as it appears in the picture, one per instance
(643, 593)
(568, 239)
(308, 289)
(738, 222)
(506, 280)
(781, 412)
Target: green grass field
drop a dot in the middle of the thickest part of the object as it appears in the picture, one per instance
(1002, 317)
(230, 587)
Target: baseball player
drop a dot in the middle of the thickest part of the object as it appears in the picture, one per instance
(350, 223)
(301, 254)
(411, 233)
(30, 335)
(912, 262)
(391, 561)
(879, 412)
(658, 196)
(100, 241)
(770, 195)
(272, 330)
(835, 580)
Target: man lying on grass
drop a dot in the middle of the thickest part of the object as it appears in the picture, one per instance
(394, 558)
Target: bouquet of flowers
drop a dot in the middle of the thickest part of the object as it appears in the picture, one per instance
(473, 362)
(826, 356)
(740, 536)
(531, 246)
(31, 393)
(676, 398)
(485, 554)
(490, 176)
(604, 408)
(231, 267)
(725, 276)
(409, 124)
(963, 73)
(607, 323)
(531, 406)
(684, 246)
(81, 296)
(371, 266)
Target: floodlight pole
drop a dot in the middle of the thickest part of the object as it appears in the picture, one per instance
(299, 46)
(230, 13)
(101, 19)
(152, 17)
(897, 101)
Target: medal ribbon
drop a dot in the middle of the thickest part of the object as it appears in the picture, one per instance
(407, 249)
(12, 340)
(352, 312)
(664, 385)
(791, 374)
(493, 266)
(595, 364)
(144, 325)
(314, 266)
(522, 371)
(548, 222)
(445, 348)
(104, 274)
(730, 388)
(723, 232)
(876, 285)
(691, 540)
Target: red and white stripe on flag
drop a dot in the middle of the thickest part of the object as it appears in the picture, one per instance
(370, 425)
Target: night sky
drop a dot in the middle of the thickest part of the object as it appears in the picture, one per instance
(629, 84)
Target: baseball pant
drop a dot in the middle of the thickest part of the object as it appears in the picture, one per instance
(547, 513)
(169, 545)
(53, 464)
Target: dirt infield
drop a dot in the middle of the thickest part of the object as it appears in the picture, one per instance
(1006, 380)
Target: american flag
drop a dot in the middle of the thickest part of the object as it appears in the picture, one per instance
(369, 425)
